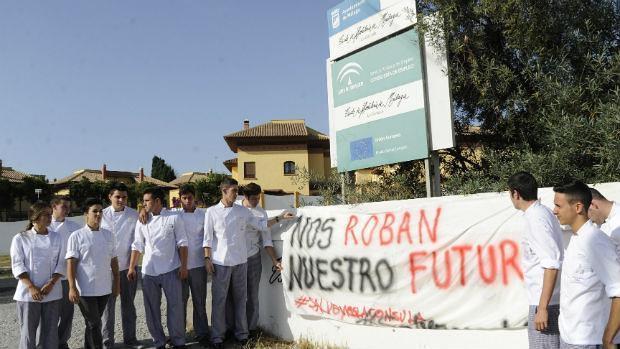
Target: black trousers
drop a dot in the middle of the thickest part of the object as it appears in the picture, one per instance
(92, 308)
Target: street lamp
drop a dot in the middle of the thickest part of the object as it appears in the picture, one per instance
(38, 192)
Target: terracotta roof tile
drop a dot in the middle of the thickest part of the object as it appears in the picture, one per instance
(276, 129)
(190, 178)
(95, 175)
(11, 175)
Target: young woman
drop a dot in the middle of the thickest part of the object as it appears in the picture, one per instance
(37, 261)
(91, 253)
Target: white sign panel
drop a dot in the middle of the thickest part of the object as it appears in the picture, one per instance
(373, 28)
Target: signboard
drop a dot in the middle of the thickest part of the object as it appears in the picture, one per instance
(444, 263)
(355, 24)
(351, 12)
(377, 102)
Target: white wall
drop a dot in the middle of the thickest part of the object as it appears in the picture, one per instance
(9, 229)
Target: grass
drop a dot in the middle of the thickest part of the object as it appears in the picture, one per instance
(268, 342)
(5, 267)
(5, 262)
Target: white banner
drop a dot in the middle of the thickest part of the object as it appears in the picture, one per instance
(450, 262)
(373, 28)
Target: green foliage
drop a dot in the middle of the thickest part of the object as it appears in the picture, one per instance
(207, 190)
(26, 189)
(134, 196)
(161, 170)
(399, 183)
(7, 195)
(84, 189)
(544, 90)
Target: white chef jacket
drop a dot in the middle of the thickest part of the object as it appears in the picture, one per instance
(159, 241)
(194, 226)
(64, 228)
(225, 233)
(123, 225)
(611, 226)
(41, 256)
(542, 247)
(257, 238)
(93, 251)
(590, 275)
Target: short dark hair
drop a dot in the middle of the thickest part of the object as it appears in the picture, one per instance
(227, 182)
(117, 186)
(525, 184)
(57, 199)
(89, 202)
(596, 195)
(251, 189)
(576, 191)
(156, 193)
(187, 189)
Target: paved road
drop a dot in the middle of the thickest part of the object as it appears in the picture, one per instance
(10, 329)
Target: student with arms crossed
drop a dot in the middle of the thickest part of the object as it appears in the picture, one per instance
(37, 262)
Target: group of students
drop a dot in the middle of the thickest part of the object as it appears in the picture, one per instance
(573, 292)
(98, 261)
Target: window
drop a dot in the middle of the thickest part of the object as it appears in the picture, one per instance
(289, 167)
(249, 170)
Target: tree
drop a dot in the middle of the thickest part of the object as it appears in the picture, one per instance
(84, 189)
(26, 189)
(208, 189)
(161, 170)
(7, 197)
(543, 89)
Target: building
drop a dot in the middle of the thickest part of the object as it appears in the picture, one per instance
(189, 177)
(271, 154)
(11, 175)
(61, 186)
(21, 205)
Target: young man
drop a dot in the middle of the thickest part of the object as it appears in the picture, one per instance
(226, 258)
(541, 260)
(121, 221)
(163, 241)
(61, 206)
(91, 253)
(255, 240)
(590, 275)
(193, 219)
(606, 214)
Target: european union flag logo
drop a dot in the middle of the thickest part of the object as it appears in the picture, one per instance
(361, 149)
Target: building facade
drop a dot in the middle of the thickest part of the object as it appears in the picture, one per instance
(273, 154)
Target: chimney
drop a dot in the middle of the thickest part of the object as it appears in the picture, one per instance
(141, 174)
(246, 124)
(104, 172)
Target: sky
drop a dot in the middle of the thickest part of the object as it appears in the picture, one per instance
(83, 83)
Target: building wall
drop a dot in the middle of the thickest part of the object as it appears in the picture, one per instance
(270, 166)
(317, 164)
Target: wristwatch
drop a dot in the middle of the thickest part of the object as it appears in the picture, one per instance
(209, 258)
(277, 219)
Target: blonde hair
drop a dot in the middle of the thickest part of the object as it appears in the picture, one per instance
(34, 213)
